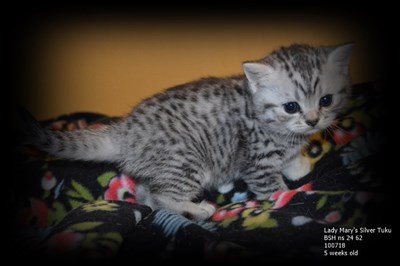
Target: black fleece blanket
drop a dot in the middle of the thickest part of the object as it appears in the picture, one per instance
(76, 210)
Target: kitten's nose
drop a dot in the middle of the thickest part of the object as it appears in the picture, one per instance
(313, 122)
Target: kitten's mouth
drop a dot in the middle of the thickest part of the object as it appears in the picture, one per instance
(306, 132)
(312, 131)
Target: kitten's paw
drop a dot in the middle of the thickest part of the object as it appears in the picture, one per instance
(297, 168)
(205, 210)
(198, 212)
(195, 211)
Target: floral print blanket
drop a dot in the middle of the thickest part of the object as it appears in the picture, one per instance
(65, 209)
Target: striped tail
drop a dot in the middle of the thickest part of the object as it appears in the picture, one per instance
(85, 144)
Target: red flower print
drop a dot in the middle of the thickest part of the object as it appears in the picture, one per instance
(35, 215)
(251, 204)
(333, 217)
(63, 241)
(226, 213)
(348, 130)
(97, 126)
(57, 125)
(48, 181)
(71, 127)
(121, 188)
(282, 198)
(82, 123)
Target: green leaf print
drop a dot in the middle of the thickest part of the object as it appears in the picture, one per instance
(56, 213)
(258, 218)
(359, 218)
(111, 240)
(220, 199)
(100, 205)
(105, 178)
(227, 221)
(75, 203)
(321, 202)
(73, 194)
(85, 226)
(115, 236)
(81, 192)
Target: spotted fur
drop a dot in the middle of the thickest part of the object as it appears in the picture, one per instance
(209, 132)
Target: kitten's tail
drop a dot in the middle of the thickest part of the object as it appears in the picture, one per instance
(84, 144)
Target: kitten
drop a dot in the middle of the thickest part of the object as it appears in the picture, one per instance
(209, 132)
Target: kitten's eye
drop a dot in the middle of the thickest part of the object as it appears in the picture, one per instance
(291, 107)
(326, 100)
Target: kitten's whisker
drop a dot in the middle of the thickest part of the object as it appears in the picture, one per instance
(330, 131)
(339, 128)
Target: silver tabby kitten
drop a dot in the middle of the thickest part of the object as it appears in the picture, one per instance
(209, 132)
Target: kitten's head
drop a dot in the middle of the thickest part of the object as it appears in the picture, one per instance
(300, 89)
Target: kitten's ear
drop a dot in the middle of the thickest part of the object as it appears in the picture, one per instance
(340, 55)
(256, 74)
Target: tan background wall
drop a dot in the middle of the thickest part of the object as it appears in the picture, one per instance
(108, 67)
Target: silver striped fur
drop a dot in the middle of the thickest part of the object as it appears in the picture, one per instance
(209, 132)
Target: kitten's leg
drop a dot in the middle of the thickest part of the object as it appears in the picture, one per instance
(196, 211)
(175, 192)
(297, 168)
(263, 184)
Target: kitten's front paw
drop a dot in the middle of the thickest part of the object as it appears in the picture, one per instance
(205, 211)
(297, 168)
